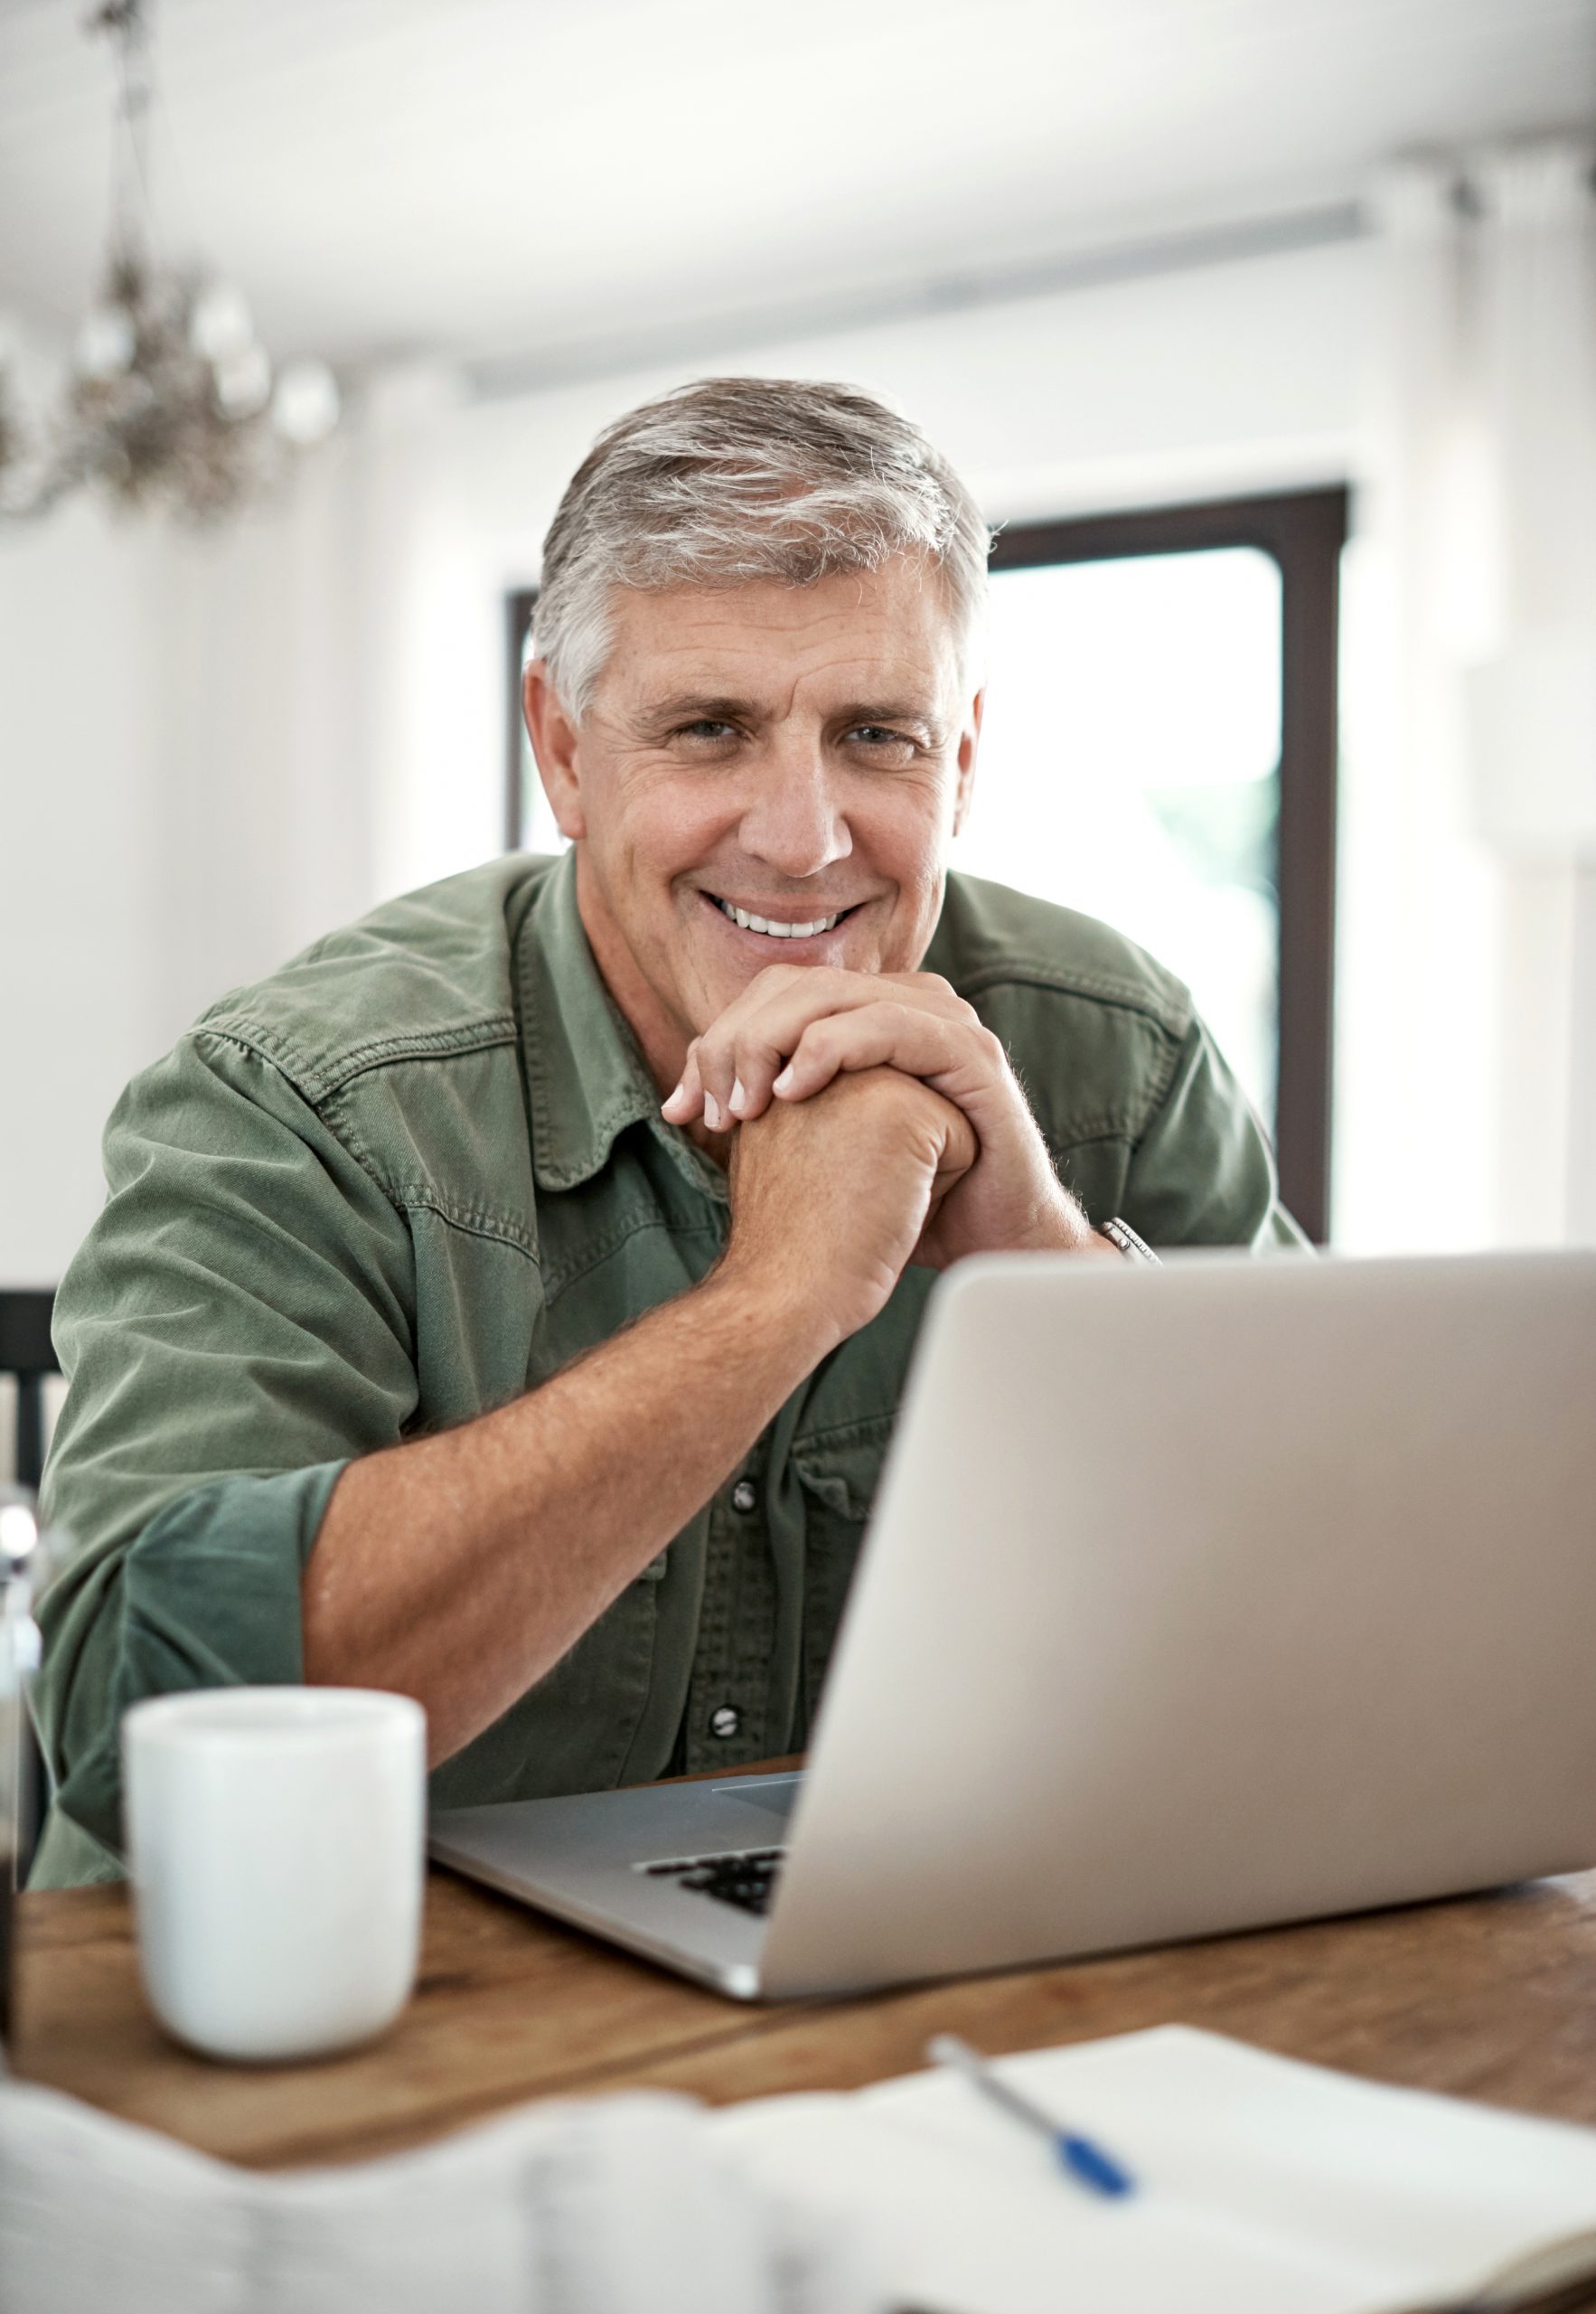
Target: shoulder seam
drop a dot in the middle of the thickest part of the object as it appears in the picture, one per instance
(405, 1198)
(347, 1140)
(319, 1080)
(1102, 988)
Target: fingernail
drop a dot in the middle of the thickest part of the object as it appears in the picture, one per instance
(784, 1083)
(738, 1096)
(711, 1113)
(671, 1099)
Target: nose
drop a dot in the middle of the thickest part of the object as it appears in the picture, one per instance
(794, 822)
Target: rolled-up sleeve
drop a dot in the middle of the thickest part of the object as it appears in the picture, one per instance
(238, 1325)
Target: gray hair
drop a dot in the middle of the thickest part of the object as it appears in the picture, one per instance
(732, 480)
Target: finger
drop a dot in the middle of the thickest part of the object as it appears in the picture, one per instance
(687, 1101)
(715, 1052)
(960, 1151)
(754, 1038)
(737, 1061)
(887, 1035)
(761, 1036)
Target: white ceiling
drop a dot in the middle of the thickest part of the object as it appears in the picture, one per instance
(514, 177)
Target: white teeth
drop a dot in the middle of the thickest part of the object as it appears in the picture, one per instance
(778, 931)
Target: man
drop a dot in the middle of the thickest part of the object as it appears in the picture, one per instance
(507, 1303)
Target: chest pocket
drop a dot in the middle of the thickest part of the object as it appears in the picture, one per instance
(838, 1472)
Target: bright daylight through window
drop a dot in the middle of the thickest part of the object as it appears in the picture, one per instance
(1129, 767)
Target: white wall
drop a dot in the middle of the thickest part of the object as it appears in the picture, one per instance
(79, 947)
(213, 749)
(184, 800)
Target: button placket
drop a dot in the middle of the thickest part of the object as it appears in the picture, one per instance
(729, 1701)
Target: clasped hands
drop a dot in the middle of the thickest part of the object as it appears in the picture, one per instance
(796, 1035)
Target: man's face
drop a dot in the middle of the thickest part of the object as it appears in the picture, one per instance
(797, 754)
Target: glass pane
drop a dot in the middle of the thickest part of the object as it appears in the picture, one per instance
(1129, 767)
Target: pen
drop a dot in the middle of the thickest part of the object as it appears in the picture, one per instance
(1085, 2161)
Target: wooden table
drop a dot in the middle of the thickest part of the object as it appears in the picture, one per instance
(1494, 1997)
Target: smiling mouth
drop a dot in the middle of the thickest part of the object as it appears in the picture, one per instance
(745, 919)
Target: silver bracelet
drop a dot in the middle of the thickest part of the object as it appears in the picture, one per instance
(1124, 1240)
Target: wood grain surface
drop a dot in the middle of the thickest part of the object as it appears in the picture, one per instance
(1492, 1997)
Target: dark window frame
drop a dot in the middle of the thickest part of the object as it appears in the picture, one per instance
(1303, 533)
(518, 615)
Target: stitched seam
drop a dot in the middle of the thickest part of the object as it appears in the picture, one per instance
(571, 1173)
(1099, 987)
(408, 1197)
(341, 1130)
(1113, 1125)
(1159, 1091)
(473, 1225)
(863, 1428)
(321, 1080)
(591, 1160)
(598, 1249)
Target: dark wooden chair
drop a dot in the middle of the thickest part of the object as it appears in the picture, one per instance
(26, 1351)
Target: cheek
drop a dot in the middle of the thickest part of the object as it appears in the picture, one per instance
(910, 835)
(658, 832)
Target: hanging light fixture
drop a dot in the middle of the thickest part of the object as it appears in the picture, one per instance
(173, 401)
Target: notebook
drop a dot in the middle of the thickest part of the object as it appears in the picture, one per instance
(1264, 2186)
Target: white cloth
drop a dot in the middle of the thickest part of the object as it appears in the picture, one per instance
(617, 2206)
(1468, 1029)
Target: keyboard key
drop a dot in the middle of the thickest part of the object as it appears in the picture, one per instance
(746, 1878)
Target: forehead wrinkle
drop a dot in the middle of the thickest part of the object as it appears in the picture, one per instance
(737, 644)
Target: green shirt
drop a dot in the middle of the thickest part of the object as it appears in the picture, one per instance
(415, 1173)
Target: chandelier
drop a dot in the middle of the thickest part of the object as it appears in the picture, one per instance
(171, 401)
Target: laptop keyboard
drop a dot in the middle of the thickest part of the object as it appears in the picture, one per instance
(746, 1879)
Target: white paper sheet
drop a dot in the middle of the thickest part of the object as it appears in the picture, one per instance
(1264, 2186)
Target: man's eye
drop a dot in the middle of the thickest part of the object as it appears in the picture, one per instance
(704, 729)
(879, 740)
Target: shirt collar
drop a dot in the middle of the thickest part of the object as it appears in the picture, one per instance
(586, 1079)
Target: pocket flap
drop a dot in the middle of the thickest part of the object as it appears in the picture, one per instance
(841, 1467)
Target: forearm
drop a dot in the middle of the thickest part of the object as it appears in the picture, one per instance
(460, 1568)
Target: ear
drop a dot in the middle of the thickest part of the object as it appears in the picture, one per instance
(969, 745)
(554, 736)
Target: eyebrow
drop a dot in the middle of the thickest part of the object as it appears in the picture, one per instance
(691, 707)
(880, 711)
(696, 707)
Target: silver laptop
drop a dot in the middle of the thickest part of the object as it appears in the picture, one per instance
(1198, 1598)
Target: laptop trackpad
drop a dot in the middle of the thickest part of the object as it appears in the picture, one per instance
(774, 1793)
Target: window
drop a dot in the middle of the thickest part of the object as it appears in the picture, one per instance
(1130, 766)
(1159, 750)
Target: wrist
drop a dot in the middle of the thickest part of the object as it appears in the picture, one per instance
(776, 1318)
(1062, 1228)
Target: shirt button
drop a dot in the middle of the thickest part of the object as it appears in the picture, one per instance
(744, 1496)
(726, 1721)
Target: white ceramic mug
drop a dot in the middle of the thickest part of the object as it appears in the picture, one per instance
(277, 1845)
